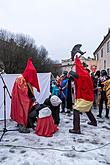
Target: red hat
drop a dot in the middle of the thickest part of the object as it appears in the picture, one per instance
(30, 74)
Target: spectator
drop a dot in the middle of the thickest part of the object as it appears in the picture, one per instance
(103, 96)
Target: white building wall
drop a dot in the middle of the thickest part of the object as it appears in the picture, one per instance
(67, 64)
(106, 57)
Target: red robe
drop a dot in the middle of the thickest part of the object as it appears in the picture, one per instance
(45, 123)
(46, 127)
(20, 102)
(84, 88)
(84, 84)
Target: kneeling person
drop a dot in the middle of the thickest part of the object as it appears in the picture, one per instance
(45, 123)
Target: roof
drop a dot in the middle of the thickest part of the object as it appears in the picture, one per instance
(67, 60)
(103, 41)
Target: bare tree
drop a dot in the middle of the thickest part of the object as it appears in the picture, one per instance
(16, 49)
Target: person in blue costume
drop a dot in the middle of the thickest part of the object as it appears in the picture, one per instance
(55, 89)
(64, 90)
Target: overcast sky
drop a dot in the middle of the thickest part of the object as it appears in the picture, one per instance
(58, 24)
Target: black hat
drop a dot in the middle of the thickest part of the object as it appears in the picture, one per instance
(97, 73)
(103, 73)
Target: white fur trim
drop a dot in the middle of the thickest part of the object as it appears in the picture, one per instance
(45, 112)
(55, 100)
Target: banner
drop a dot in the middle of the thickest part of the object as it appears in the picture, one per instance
(44, 82)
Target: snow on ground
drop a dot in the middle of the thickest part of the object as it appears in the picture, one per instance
(59, 149)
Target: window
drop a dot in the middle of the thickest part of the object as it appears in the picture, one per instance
(102, 52)
(108, 71)
(97, 56)
(108, 46)
(104, 64)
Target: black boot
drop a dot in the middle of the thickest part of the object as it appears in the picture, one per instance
(107, 113)
(90, 123)
(106, 116)
(99, 116)
(101, 105)
(91, 118)
(76, 122)
(23, 129)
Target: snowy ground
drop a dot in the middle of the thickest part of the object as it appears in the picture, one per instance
(59, 149)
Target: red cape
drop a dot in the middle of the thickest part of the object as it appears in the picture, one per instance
(20, 102)
(84, 84)
(45, 126)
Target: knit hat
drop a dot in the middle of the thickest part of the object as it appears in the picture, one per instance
(55, 100)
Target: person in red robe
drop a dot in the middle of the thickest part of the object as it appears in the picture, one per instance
(45, 123)
(23, 96)
(84, 97)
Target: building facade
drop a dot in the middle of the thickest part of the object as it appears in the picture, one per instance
(102, 54)
(66, 65)
(90, 62)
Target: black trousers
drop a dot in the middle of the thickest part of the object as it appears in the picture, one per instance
(33, 114)
(55, 114)
(63, 104)
(76, 119)
(91, 117)
(69, 96)
(102, 101)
